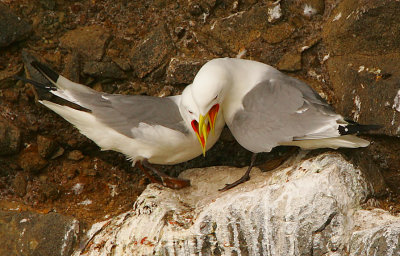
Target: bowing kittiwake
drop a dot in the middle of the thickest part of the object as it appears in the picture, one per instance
(265, 108)
(145, 129)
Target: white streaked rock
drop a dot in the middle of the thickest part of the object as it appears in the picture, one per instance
(376, 233)
(304, 207)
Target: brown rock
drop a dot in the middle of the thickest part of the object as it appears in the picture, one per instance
(183, 71)
(103, 69)
(195, 9)
(6, 75)
(118, 50)
(371, 30)
(12, 27)
(318, 5)
(19, 184)
(238, 30)
(291, 61)
(166, 91)
(152, 52)
(49, 191)
(72, 67)
(364, 65)
(46, 146)
(366, 89)
(307, 8)
(59, 152)
(278, 33)
(29, 233)
(31, 161)
(211, 44)
(89, 41)
(10, 138)
(75, 155)
(10, 95)
(89, 172)
(48, 4)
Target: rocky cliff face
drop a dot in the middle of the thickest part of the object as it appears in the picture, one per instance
(310, 207)
(347, 50)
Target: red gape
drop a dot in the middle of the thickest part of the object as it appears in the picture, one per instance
(195, 126)
(213, 113)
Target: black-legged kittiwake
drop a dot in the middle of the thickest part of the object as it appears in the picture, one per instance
(146, 129)
(265, 108)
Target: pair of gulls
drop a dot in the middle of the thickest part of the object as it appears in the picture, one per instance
(262, 107)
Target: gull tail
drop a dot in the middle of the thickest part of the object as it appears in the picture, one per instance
(60, 82)
(37, 84)
(344, 138)
(58, 85)
(345, 141)
(356, 128)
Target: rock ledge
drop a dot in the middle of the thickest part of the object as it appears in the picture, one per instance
(310, 207)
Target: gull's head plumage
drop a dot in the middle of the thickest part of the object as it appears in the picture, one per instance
(188, 108)
(189, 112)
(208, 91)
(209, 85)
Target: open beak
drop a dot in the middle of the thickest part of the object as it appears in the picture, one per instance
(201, 134)
(206, 123)
(212, 116)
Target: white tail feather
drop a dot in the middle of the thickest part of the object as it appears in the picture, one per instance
(88, 125)
(66, 88)
(67, 85)
(346, 141)
(82, 120)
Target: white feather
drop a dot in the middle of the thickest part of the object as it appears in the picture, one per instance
(158, 144)
(346, 141)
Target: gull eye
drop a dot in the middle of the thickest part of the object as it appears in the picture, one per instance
(190, 112)
(216, 97)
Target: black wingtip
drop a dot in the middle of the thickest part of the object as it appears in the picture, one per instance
(46, 71)
(47, 87)
(355, 128)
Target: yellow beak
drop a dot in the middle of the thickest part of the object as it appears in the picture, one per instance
(205, 127)
(203, 132)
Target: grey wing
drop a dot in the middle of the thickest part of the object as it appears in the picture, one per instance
(124, 112)
(279, 110)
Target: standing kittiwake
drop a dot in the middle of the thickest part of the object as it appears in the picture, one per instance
(146, 129)
(265, 108)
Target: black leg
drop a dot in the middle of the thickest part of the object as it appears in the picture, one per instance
(166, 180)
(244, 178)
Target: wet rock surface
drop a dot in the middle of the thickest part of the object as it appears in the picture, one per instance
(347, 50)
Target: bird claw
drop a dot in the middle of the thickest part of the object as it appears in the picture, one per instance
(243, 179)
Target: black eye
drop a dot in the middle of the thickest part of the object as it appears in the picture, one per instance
(216, 97)
(190, 112)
